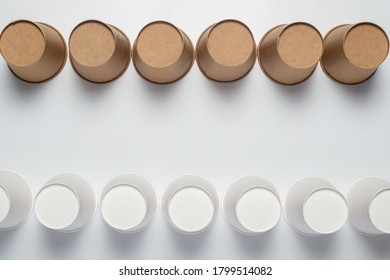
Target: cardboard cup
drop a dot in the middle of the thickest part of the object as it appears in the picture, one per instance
(67, 203)
(129, 203)
(34, 51)
(226, 51)
(289, 53)
(251, 205)
(163, 53)
(99, 52)
(190, 204)
(314, 207)
(369, 206)
(16, 200)
(353, 52)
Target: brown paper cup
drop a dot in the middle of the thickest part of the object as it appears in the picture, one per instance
(226, 51)
(34, 51)
(163, 53)
(99, 52)
(289, 53)
(353, 52)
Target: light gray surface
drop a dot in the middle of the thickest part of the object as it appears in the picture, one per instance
(221, 131)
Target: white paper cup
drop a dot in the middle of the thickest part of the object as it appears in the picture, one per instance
(369, 206)
(190, 204)
(251, 205)
(313, 206)
(67, 203)
(129, 203)
(16, 200)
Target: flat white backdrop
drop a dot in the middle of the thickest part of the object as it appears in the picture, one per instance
(221, 131)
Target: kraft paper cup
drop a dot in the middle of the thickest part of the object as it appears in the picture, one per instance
(251, 205)
(67, 203)
(34, 51)
(353, 52)
(129, 203)
(190, 204)
(99, 52)
(163, 53)
(226, 51)
(314, 207)
(369, 206)
(16, 200)
(289, 53)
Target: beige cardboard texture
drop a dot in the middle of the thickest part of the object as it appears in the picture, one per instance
(35, 52)
(226, 51)
(163, 53)
(353, 52)
(289, 53)
(99, 52)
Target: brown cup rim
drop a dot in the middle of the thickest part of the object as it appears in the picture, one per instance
(260, 60)
(62, 39)
(183, 45)
(209, 28)
(115, 40)
(323, 67)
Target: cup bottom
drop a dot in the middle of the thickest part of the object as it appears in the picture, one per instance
(57, 206)
(124, 207)
(191, 209)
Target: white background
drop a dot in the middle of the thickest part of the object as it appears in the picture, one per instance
(221, 131)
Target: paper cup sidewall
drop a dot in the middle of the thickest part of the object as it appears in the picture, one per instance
(296, 198)
(359, 198)
(20, 198)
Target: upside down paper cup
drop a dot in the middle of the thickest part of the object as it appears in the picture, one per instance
(163, 53)
(226, 51)
(190, 204)
(353, 52)
(16, 200)
(34, 51)
(99, 52)
(289, 53)
(369, 206)
(67, 203)
(129, 203)
(313, 206)
(251, 205)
